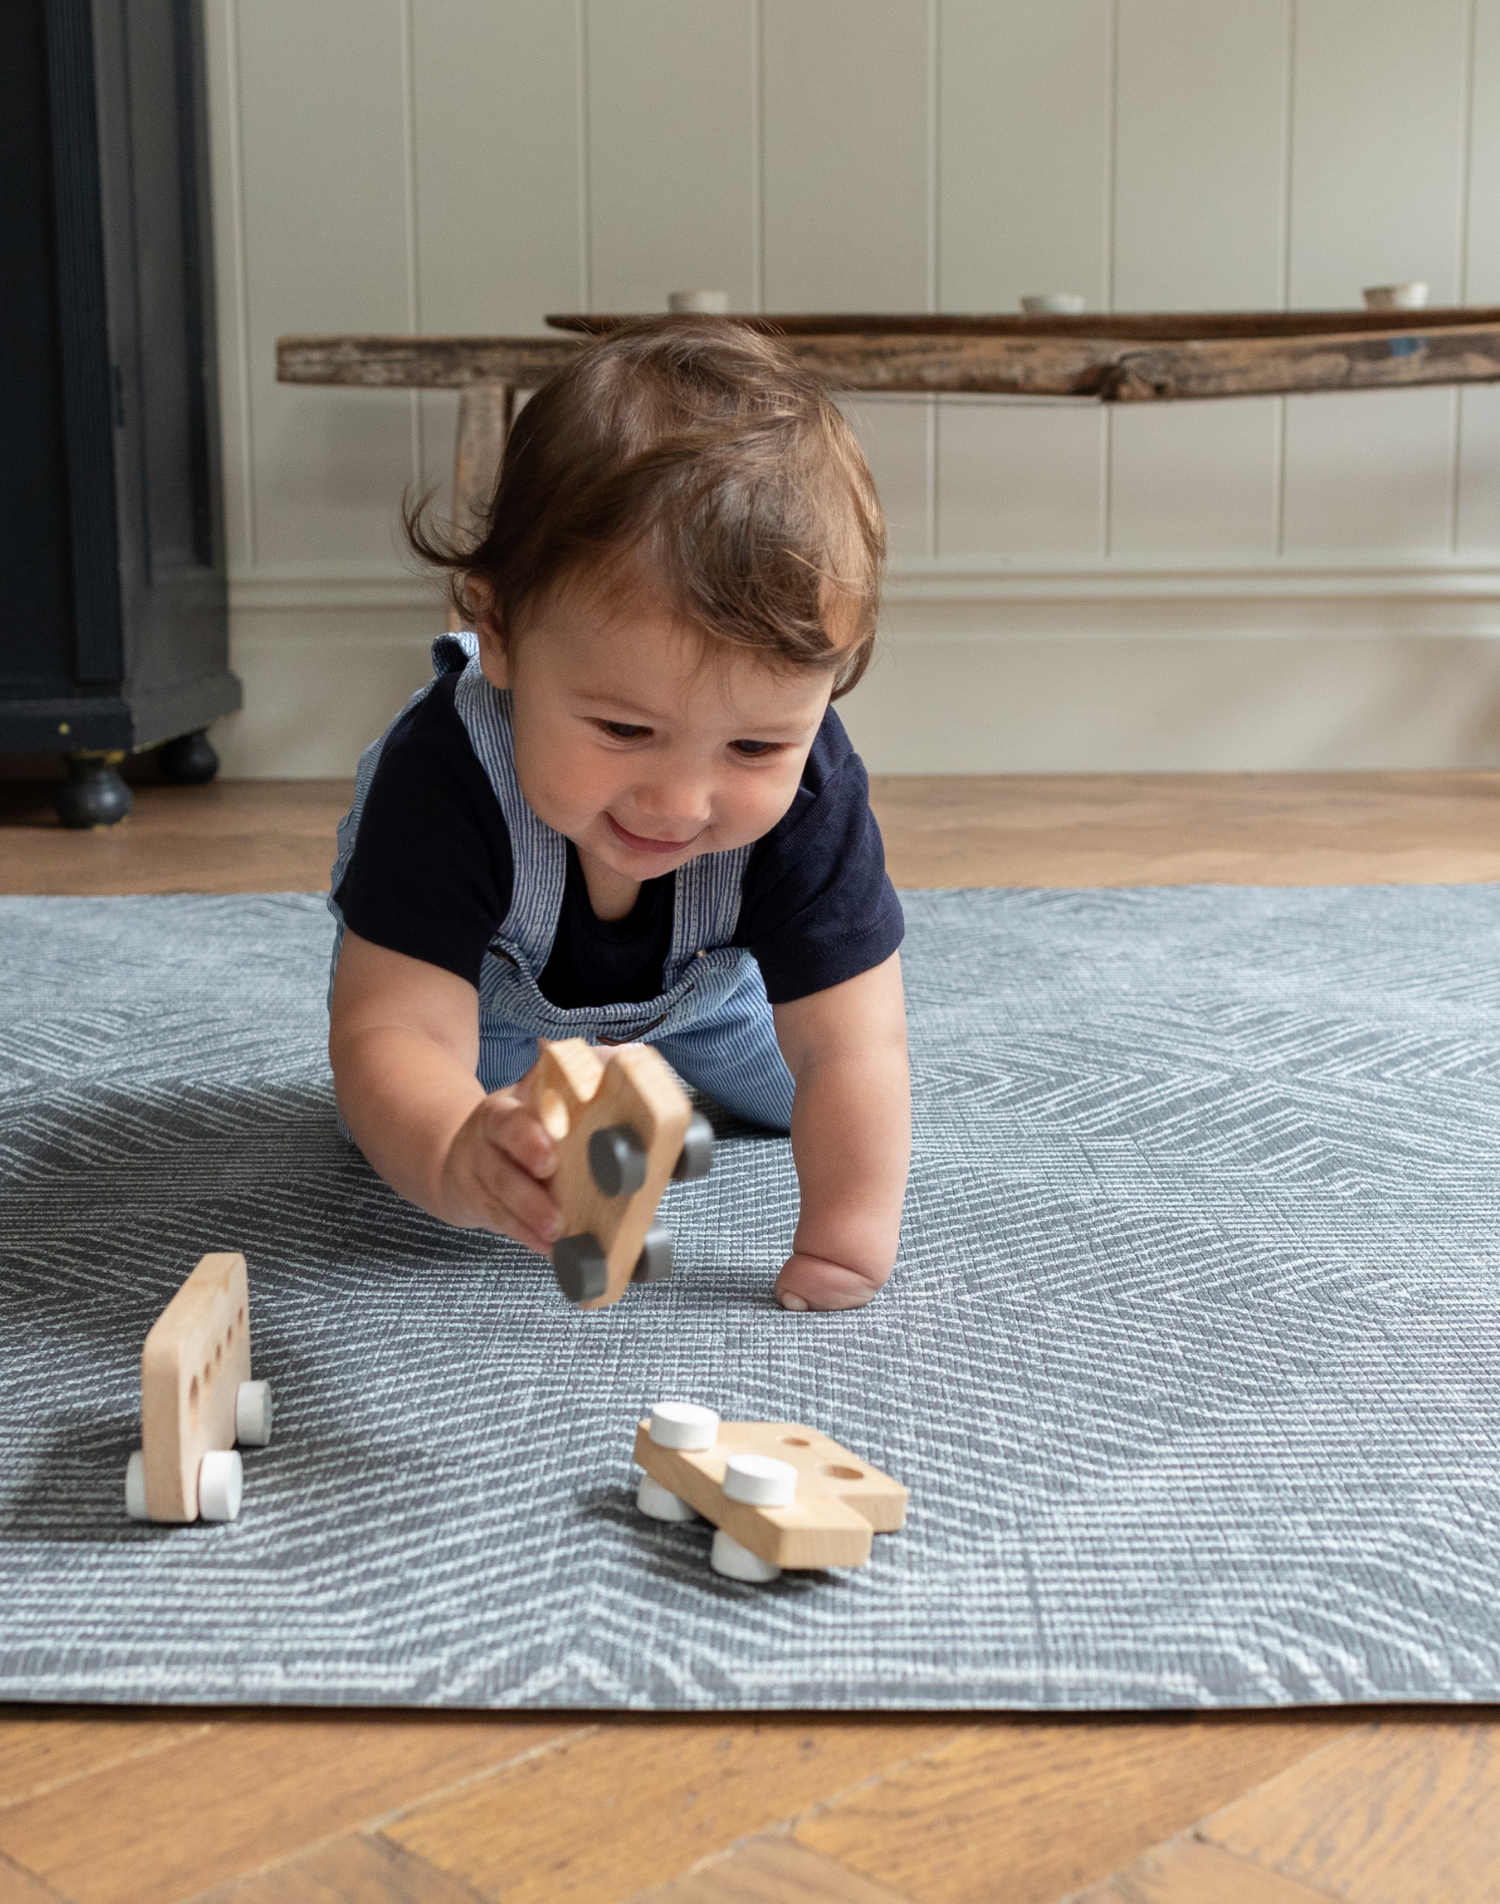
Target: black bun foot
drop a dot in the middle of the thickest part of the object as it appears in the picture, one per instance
(188, 761)
(93, 793)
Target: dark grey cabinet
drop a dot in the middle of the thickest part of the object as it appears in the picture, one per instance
(113, 595)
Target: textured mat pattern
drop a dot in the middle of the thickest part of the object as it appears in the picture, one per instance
(1191, 1361)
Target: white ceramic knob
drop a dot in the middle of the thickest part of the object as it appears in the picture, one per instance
(221, 1483)
(135, 1487)
(710, 303)
(759, 1481)
(661, 1503)
(252, 1414)
(683, 1425)
(729, 1557)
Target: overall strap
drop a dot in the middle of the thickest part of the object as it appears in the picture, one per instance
(539, 856)
(706, 906)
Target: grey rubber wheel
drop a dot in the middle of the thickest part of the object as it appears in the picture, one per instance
(697, 1151)
(617, 1161)
(580, 1266)
(654, 1265)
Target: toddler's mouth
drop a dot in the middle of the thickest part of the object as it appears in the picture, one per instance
(640, 844)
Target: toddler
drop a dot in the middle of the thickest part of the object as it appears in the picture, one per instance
(625, 809)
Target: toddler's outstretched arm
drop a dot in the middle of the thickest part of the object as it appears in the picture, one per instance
(404, 1045)
(851, 1137)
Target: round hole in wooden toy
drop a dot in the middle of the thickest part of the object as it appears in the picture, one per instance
(208, 1373)
(229, 1335)
(844, 1474)
(193, 1400)
(218, 1354)
(240, 1318)
(794, 1441)
(554, 1115)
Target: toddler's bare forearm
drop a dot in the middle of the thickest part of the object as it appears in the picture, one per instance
(404, 1098)
(851, 1139)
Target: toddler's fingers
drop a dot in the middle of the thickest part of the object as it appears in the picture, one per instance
(523, 1137)
(517, 1205)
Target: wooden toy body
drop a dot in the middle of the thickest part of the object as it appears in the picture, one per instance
(841, 1500)
(196, 1356)
(575, 1094)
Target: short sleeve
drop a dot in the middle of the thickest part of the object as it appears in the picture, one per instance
(817, 907)
(431, 871)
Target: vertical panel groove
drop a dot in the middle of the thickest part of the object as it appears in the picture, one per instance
(409, 177)
(934, 208)
(236, 149)
(1465, 190)
(1112, 163)
(757, 155)
(585, 194)
(1278, 526)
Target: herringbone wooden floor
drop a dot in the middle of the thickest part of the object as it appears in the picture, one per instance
(141, 1807)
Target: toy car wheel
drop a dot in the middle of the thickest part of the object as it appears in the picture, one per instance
(661, 1503)
(697, 1155)
(581, 1267)
(252, 1414)
(655, 1262)
(135, 1487)
(617, 1161)
(221, 1485)
(738, 1563)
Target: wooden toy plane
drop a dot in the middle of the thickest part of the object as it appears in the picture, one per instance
(197, 1400)
(780, 1494)
(623, 1127)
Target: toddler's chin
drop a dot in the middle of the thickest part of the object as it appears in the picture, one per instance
(809, 1282)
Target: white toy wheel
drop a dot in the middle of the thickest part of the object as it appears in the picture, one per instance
(252, 1414)
(661, 1503)
(738, 1563)
(135, 1487)
(683, 1425)
(221, 1483)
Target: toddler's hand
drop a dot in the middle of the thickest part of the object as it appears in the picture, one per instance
(812, 1282)
(490, 1178)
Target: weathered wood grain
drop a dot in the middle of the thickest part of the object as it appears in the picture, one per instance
(1053, 1805)
(171, 1823)
(1156, 325)
(1188, 1871)
(637, 1803)
(1106, 369)
(771, 1871)
(1397, 1813)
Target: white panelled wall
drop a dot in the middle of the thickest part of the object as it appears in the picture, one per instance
(1258, 584)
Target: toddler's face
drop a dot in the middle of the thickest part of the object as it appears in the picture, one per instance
(639, 743)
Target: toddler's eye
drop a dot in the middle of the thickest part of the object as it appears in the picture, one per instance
(749, 749)
(622, 730)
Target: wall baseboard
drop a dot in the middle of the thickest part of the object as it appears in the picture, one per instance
(1182, 675)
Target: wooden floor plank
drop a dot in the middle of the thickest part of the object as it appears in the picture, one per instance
(359, 1869)
(20, 1887)
(772, 1871)
(1053, 1806)
(162, 1827)
(1188, 1871)
(1391, 1814)
(45, 1747)
(635, 1804)
(1175, 829)
(231, 836)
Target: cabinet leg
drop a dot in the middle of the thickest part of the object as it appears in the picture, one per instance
(188, 761)
(93, 793)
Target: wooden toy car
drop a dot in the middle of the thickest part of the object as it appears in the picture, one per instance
(197, 1400)
(623, 1128)
(781, 1495)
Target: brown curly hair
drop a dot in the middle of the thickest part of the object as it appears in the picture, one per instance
(706, 450)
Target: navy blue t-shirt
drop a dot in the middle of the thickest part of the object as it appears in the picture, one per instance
(432, 870)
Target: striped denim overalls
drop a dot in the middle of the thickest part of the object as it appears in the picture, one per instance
(711, 1022)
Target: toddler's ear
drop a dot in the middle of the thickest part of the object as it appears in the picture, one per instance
(494, 650)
